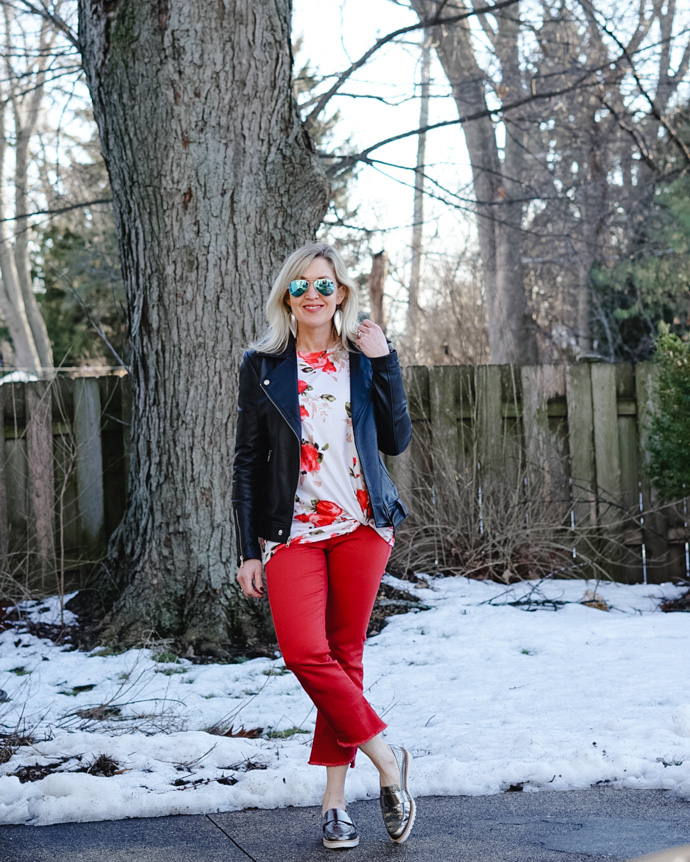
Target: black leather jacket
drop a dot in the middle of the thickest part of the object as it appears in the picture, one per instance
(268, 448)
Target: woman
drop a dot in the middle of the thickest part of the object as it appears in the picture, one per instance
(319, 397)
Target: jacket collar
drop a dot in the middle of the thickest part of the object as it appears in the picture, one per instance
(283, 354)
(280, 384)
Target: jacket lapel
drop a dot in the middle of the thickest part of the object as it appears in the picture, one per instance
(360, 383)
(280, 384)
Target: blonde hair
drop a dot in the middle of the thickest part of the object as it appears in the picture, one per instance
(277, 336)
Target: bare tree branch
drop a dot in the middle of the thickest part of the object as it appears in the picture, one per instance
(681, 145)
(44, 12)
(59, 210)
(434, 21)
(349, 161)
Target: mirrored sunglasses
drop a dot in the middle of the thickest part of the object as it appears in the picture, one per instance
(325, 286)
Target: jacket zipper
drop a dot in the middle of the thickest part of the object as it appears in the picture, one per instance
(299, 442)
(268, 395)
(239, 535)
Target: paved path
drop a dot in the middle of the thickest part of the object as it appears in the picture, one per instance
(575, 826)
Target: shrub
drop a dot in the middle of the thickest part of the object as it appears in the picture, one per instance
(669, 442)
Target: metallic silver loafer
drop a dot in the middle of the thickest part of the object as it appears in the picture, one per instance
(397, 804)
(339, 831)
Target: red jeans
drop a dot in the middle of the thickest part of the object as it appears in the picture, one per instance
(321, 596)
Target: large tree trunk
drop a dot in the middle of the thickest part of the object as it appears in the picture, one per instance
(214, 181)
(512, 336)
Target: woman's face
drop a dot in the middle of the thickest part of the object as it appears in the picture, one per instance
(313, 311)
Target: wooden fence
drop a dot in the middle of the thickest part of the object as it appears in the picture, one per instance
(63, 467)
(573, 434)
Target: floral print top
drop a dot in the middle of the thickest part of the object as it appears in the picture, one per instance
(332, 497)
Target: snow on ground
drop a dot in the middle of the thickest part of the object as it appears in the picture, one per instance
(484, 694)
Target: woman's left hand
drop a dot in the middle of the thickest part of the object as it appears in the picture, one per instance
(371, 340)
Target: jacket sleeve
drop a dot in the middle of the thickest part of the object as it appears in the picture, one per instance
(393, 424)
(249, 464)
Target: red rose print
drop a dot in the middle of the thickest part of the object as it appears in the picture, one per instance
(325, 507)
(319, 361)
(310, 458)
(304, 518)
(325, 513)
(363, 499)
(302, 385)
(303, 412)
(311, 518)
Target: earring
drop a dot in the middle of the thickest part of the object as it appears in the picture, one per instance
(292, 323)
(338, 321)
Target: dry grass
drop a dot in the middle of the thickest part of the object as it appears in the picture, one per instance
(501, 532)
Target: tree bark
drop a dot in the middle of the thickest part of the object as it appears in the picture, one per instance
(214, 181)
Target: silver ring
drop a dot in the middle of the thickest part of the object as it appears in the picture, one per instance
(358, 333)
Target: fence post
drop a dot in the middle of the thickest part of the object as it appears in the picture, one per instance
(661, 566)
(606, 446)
(489, 421)
(490, 439)
(89, 460)
(540, 383)
(443, 405)
(607, 459)
(581, 443)
(39, 453)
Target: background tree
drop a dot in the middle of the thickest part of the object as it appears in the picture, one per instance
(496, 169)
(669, 443)
(561, 105)
(83, 304)
(26, 69)
(77, 260)
(452, 326)
(340, 224)
(595, 158)
(650, 283)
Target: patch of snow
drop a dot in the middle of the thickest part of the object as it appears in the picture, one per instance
(18, 377)
(483, 693)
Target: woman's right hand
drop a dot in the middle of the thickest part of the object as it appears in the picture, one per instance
(251, 580)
